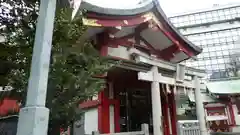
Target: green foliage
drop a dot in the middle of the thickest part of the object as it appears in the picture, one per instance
(72, 67)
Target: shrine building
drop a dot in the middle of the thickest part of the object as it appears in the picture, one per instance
(144, 87)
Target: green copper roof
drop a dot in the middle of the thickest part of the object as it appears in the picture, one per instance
(224, 87)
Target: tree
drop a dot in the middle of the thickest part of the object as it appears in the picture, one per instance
(73, 64)
(17, 18)
(234, 65)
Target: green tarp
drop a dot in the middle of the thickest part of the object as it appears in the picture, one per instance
(224, 87)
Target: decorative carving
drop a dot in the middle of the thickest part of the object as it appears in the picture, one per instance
(125, 22)
(147, 16)
(90, 22)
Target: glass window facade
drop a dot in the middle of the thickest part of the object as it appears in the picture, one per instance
(206, 17)
(218, 46)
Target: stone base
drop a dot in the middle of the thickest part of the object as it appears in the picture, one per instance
(33, 121)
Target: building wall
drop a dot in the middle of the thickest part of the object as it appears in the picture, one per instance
(216, 31)
(8, 105)
(91, 120)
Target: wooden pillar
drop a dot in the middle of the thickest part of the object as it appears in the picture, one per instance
(169, 119)
(117, 116)
(111, 108)
(102, 45)
(165, 106)
(108, 111)
(103, 113)
(199, 107)
(231, 114)
(173, 112)
(114, 110)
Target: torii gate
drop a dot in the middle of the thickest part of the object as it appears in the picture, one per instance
(155, 78)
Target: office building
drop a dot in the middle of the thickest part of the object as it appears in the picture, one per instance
(217, 31)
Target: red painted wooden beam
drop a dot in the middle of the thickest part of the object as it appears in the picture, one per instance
(123, 41)
(112, 31)
(127, 22)
(141, 27)
(171, 37)
(169, 52)
(232, 116)
(113, 21)
(165, 54)
(89, 104)
(102, 43)
(168, 34)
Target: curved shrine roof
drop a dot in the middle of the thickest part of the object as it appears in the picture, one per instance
(224, 87)
(142, 23)
(118, 7)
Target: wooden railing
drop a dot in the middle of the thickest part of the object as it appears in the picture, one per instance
(188, 127)
(144, 131)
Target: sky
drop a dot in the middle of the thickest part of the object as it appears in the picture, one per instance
(172, 7)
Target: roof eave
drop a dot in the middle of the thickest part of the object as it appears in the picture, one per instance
(144, 7)
(197, 50)
(150, 6)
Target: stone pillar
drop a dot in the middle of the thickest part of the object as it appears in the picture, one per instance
(155, 78)
(33, 118)
(199, 107)
(156, 104)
